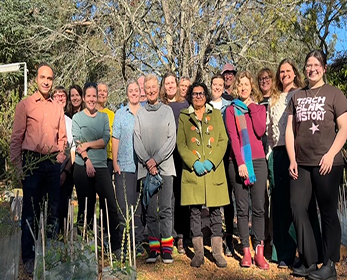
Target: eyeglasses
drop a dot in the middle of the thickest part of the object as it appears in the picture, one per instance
(227, 73)
(196, 94)
(312, 66)
(264, 79)
(59, 96)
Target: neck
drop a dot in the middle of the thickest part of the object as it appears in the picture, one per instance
(216, 99)
(90, 111)
(288, 87)
(317, 84)
(267, 94)
(45, 96)
(171, 98)
(153, 102)
(199, 110)
(228, 89)
(134, 107)
(100, 106)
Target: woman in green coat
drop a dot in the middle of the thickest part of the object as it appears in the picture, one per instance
(201, 142)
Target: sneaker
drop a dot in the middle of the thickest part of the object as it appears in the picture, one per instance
(152, 258)
(166, 258)
(283, 265)
(140, 252)
(29, 267)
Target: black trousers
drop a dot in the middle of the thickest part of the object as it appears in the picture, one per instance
(65, 194)
(326, 189)
(229, 212)
(215, 221)
(88, 187)
(257, 192)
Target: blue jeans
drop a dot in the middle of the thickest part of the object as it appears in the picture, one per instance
(43, 184)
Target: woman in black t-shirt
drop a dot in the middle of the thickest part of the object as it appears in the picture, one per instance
(316, 165)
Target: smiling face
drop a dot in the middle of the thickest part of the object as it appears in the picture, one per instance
(217, 88)
(314, 71)
(76, 99)
(102, 94)
(287, 75)
(244, 89)
(198, 97)
(184, 84)
(265, 82)
(91, 99)
(228, 78)
(60, 97)
(152, 91)
(170, 87)
(133, 94)
(44, 80)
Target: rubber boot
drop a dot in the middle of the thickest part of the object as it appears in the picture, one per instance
(247, 258)
(217, 251)
(198, 258)
(326, 272)
(259, 258)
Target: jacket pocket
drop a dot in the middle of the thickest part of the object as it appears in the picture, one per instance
(188, 177)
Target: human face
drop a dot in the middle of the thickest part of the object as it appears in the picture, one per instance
(170, 87)
(76, 99)
(91, 99)
(287, 75)
(265, 82)
(314, 71)
(60, 97)
(152, 91)
(133, 94)
(143, 96)
(198, 97)
(228, 78)
(184, 84)
(217, 88)
(44, 80)
(244, 89)
(102, 94)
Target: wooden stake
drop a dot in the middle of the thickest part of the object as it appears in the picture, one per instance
(133, 234)
(102, 239)
(43, 244)
(108, 233)
(85, 220)
(95, 235)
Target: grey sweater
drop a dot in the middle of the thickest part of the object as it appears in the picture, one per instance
(155, 137)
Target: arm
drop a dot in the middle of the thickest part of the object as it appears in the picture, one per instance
(327, 160)
(289, 139)
(115, 146)
(167, 149)
(233, 135)
(62, 138)
(257, 114)
(18, 132)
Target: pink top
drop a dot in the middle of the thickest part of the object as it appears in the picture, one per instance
(39, 126)
(256, 126)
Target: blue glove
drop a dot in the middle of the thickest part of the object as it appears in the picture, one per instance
(199, 168)
(208, 165)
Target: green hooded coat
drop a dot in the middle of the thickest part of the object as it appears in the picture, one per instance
(201, 140)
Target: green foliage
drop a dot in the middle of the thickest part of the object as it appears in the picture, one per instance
(337, 73)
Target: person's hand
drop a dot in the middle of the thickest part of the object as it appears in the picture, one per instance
(248, 101)
(90, 168)
(150, 164)
(326, 164)
(62, 178)
(208, 165)
(153, 171)
(81, 147)
(116, 168)
(199, 168)
(243, 172)
(293, 170)
(61, 157)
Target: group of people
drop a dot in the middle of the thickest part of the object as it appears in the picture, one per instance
(267, 140)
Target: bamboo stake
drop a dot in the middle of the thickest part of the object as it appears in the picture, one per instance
(133, 234)
(85, 220)
(43, 244)
(31, 231)
(128, 235)
(102, 239)
(68, 220)
(108, 233)
(71, 227)
(95, 236)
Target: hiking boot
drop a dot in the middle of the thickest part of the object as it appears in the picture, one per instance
(326, 272)
(166, 258)
(152, 258)
(29, 267)
(304, 271)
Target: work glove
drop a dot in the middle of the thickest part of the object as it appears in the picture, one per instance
(199, 168)
(208, 165)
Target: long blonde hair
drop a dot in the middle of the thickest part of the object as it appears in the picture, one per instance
(274, 93)
(163, 95)
(255, 94)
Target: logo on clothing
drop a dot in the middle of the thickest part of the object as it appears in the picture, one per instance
(310, 109)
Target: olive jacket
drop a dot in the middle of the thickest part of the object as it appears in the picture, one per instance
(201, 140)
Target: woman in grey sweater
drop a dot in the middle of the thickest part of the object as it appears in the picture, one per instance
(154, 143)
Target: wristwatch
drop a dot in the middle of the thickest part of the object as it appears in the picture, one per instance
(85, 159)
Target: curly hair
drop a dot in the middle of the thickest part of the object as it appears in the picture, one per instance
(194, 85)
(255, 92)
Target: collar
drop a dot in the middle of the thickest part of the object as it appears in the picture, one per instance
(38, 97)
